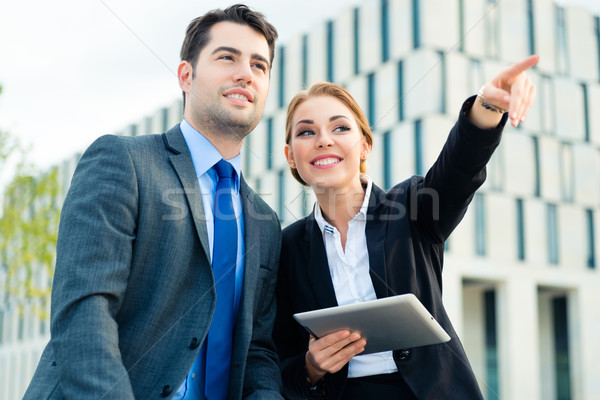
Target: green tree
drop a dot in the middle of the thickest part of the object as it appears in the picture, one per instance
(29, 225)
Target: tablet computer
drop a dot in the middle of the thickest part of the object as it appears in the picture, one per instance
(391, 323)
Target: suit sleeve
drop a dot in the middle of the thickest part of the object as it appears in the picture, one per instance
(460, 169)
(262, 378)
(94, 250)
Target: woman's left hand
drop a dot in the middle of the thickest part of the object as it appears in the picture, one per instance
(510, 90)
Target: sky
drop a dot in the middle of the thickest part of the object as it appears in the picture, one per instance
(73, 70)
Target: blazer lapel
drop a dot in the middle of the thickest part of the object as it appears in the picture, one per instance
(182, 163)
(376, 235)
(318, 267)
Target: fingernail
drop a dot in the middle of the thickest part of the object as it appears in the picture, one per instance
(356, 336)
(523, 118)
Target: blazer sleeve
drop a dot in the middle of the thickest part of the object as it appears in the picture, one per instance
(262, 378)
(94, 251)
(460, 169)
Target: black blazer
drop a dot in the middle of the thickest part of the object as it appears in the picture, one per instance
(406, 230)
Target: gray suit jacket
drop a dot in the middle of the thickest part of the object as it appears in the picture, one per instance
(133, 292)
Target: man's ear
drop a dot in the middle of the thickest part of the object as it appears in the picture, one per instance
(184, 73)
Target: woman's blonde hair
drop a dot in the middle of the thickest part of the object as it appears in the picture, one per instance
(339, 93)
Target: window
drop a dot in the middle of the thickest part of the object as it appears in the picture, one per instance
(247, 155)
(461, 25)
(536, 155)
(165, 119)
(586, 113)
(281, 93)
(591, 252)
(552, 233)
(597, 21)
(330, 50)
(561, 348)
(304, 61)
(520, 231)
(491, 344)
(492, 38)
(567, 181)
(356, 41)
(270, 143)
(372, 103)
(400, 91)
(418, 147)
(385, 31)
(416, 24)
(387, 161)
(281, 178)
(443, 80)
(480, 248)
(531, 25)
(562, 56)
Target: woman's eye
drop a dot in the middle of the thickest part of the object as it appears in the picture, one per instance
(341, 129)
(305, 133)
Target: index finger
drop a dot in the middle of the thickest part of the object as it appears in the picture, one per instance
(521, 66)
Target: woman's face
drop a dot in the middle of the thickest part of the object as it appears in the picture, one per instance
(326, 144)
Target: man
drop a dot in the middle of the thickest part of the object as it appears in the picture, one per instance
(161, 238)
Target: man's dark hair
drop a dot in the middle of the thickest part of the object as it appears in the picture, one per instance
(198, 31)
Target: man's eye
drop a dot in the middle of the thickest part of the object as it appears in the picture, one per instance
(260, 66)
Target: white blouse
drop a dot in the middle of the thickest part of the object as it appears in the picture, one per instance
(352, 283)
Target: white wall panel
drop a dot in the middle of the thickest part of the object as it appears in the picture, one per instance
(422, 84)
(401, 28)
(370, 35)
(344, 45)
(520, 162)
(386, 96)
(583, 61)
(568, 112)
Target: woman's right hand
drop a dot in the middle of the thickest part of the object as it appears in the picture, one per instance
(330, 353)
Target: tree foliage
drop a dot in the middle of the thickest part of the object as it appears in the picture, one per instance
(29, 225)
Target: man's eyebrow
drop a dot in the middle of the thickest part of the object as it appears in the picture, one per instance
(237, 52)
(228, 49)
(258, 57)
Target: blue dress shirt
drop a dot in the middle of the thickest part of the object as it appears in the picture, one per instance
(204, 156)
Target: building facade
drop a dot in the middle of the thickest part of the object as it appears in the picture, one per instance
(521, 279)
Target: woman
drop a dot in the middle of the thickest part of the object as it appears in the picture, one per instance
(361, 243)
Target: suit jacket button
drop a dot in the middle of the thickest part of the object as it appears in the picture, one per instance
(402, 355)
(166, 390)
(194, 343)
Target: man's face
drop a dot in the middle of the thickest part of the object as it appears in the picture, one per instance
(227, 90)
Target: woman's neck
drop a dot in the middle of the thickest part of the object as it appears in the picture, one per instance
(339, 206)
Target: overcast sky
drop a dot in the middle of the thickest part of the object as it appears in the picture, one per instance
(72, 70)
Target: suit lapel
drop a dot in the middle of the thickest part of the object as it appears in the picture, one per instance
(251, 244)
(182, 163)
(318, 267)
(376, 235)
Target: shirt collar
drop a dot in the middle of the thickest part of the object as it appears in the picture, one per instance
(325, 227)
(205, 155)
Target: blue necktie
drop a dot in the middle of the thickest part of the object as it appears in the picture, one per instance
(220, 334)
